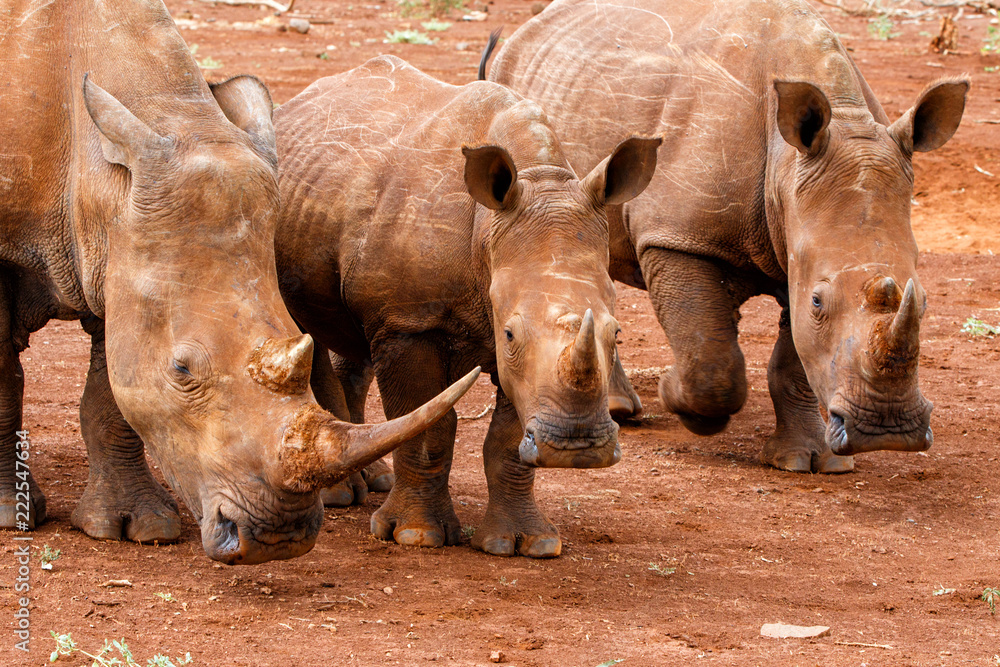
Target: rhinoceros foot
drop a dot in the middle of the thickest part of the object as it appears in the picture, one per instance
(10, 511)
(505, 535)
(792, 455)
(623, 401)
(701, 425)
(379, 477)
(623, 408)
(134, 508)
(411, 519)
(350, 491)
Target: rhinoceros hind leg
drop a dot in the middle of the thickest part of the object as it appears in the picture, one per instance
(335, 392)
(798, 443)
(513, 524)
(697, 304)
(623, 402)
(356, 378)
(13, 476)
(418, 510)
(122, 500)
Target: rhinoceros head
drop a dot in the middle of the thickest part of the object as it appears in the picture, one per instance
(854, 296)
(205, 362)
(552, 298)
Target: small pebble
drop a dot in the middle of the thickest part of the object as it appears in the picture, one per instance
(299, 25)
(497, 656)
(387, 590)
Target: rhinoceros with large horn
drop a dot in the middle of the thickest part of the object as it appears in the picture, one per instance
(143, 203)
(444, 224)
(781, 174)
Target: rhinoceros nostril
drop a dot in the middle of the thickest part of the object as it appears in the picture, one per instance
(528, 448)
(836, 433)
(227, 537)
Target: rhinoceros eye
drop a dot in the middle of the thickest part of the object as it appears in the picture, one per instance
(817, 302)
(189, 366)
(510, 335)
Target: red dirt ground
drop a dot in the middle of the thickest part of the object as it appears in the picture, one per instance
(863, 553)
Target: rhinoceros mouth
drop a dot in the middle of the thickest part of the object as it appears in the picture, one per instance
(548, 445)
(233, 536)
(853, 430)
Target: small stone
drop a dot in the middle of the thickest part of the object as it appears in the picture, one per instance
(299, 25)
(461, 46)
(782, 631)
(387, 590)
(538, 8)
(265, 590)
(498, 656)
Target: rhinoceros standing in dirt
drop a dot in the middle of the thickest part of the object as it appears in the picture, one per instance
(781, 175)
(147, 211)
(444, 224)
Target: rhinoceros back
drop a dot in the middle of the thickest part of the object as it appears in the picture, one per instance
(697, 72)
(372, 187)
(59, 191)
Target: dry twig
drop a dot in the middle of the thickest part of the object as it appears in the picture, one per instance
(480, 415)
(983, 6)
(886, 646)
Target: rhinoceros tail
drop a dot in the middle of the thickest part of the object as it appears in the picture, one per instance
(488, 51)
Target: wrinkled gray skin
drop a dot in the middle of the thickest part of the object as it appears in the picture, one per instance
(444, 224)
(146, 210)
(780, 174)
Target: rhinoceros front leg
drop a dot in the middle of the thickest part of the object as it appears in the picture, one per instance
(623, 402)
(122, 500)
(19, 494)
(697, 305)
(341, 387)
(513, 522)
(418, 511)
(799, 442)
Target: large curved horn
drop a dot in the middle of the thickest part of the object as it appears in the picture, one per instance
(904, 332)
(318, 451)
(283, 365)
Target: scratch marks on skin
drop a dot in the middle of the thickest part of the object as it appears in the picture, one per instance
(605, 7)
(32, 10)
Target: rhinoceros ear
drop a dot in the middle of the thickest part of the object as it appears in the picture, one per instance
(490, 176)
(803, 115)
(124, 138)
(932, 121)
(625, 173)
(247, 104)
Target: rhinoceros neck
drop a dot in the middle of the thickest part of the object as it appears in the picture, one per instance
(68, 194)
